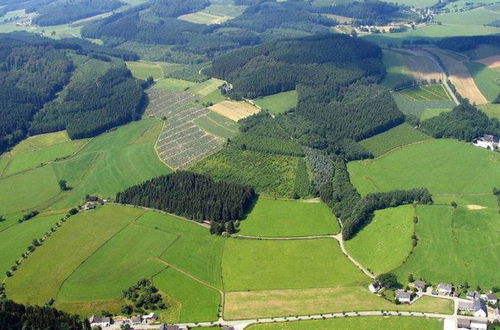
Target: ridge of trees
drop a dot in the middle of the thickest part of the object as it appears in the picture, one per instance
(193, 196)
(460, 44)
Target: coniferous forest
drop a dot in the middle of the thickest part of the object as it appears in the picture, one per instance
(193, 196)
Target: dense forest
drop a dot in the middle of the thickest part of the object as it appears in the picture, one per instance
(34, 69)
(335, 76)
(465, 122)
(193, 196)
(15, 316)
(460, 44)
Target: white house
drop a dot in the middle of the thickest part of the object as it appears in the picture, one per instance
(478, 325)
(99, 321)
(151, 317)
(490, 298)
(489, 142)
(445, 289)
(480, 309)
(374, 287)
(403, 296)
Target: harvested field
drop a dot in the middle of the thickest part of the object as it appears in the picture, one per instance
(473, 207)
(234, 110)
(181, 143)
(421, 67)
(491, 62)
(460, 76)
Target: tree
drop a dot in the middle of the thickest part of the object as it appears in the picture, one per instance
(2, 219)
(454, 204)
(127, 309)
(63, 185)
(389, 281)
(411, 279)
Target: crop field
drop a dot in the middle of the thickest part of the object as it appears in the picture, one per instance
(492, 110)
(464, 238)
(234, 110)
(173, 84)
(443, 166)
(434, 92)
(486, 78)
(207, 87)
(273, 217)
(286, 264)
(491, 62)
(181, 143)
(272, 175)
(417, 108)
(198, 302)
(431, 113)
(143, 70)
(396, 137)
(217, 125)
(278, 103)
(460, 76)
(397, 72)
(357, 323)
(385, 243)
(421, 66)
(214, 14)
(269, 303)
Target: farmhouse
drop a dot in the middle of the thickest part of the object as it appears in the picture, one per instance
(89, 206)
(136, 319)
(403, 296)
(99, 321)
(490, 298)
(374, 287)
(472, 295)
(150, 318)
(445, 289)
(420, 285)
(489, 142)
(466, 306)
(169, 327)
(478, 325)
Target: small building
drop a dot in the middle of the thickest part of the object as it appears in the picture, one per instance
(374, 287)
(150, 318)
(445, 289)
(491, 298)
(403, 296)
(89, 206)
(420, 285)
(472, 295)
(168, 327)
(463, 324)
(99, 321)
(478, 325)
(480, 309)
(466, 306)
(136, 319)
(489, 142)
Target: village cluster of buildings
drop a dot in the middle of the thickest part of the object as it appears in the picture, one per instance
(487, 141)
(137, 320)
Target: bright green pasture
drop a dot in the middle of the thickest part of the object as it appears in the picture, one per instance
(435, 92)
(386, 242)
(278, 103)
(456, 245)
(207, 87)
(478, 16)
(15, 239)
(112, 162)
(119, 263)
(443, 166)
(492, 110)
(174, 84)
(198, 302)
(357, 323)
(42, 274)
(286, 264)
(431, 113)
(217, 125)
(487, 80)
(272, 175)
(417, 108)
(195, 251)
(272, 217)
(395, 137)
(143, 70)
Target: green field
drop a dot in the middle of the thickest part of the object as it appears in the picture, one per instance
(207, 87)
(430, 113)
(272, 175)
(443, 166)
(358, 323)
(434, 92)
(198, 302)
(286, 264)
(278, 103)
(396, 137)
(457, 239)
(386, 242)
(217, 125)
(417, 108)
(143, 70)
(487, 80)
(492, 110)
(174, 84)
(396, 67)
(275, 218)
(478, 16)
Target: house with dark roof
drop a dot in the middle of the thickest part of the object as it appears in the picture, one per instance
(168, 327)
(420, 285)
(491, 298)
(99, 321)
(480, 309)
(466, 306)
(463, 324)
(487, 141)
(403, 296)
(472, 295)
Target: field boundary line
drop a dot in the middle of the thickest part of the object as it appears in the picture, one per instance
(93, 253)
(282, 238)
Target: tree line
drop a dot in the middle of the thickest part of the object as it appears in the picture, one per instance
(193, 196)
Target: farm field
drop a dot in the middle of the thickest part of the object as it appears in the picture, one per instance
(173, 84)
(431, 113)
(396, 137)
(443, 166)
(207, 87)
(287, 264)
(234, 110)
(464, 238)
(269, 303)
(358, 323)
(214, 14)
(272, 217)
(385, 243)
(271, 175)
(397, 72)
(217, 125)
(278, 103)
(492, 61)
(492, 110)
(181, 142)
(477, 16)
(143, 70)
(417, 108)
(487, 79)
(435, 92)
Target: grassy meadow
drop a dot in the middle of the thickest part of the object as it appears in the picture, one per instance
(418, 108)
(396, 69)
(143, 70)
(385, 242)
(173, 84)
(357, 323)
(434, 92)
(271, 217)
(218, 125)
(491, 110)
(431, 113)
(443, 166)
(286, 264)
(487, 79)
(396, 137)
(278, 103)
